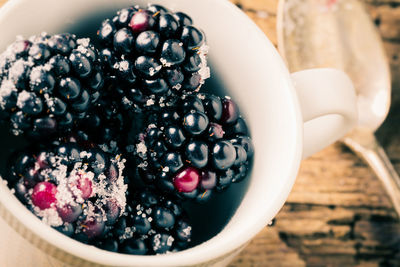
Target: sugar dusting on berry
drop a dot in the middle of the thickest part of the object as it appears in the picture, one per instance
(204, 69)
(122, 66)
(83, 45)
(170, 240)
(157, 242)
(165, 63)
(48, 216)
(177, 86)
(201, 96)
(141, 148)
(126, 101)
(73, 186)
(128, 233)
(150, 102)
(7, 88)
(35, 80)
(187, 231)
(37, 65)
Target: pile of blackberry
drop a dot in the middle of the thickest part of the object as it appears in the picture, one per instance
(158, 55)
(200, 146)
(83, 112)
(152, 224)
(79, 191)
(48, 84)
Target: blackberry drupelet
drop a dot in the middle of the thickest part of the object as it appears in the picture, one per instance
(79, 191)
(152, 224)
(156, 54)
(106, 121)
(200, 145)
(48, 84)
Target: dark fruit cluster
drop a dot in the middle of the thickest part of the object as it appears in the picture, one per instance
(191, 150)
(155, 54)
(152, 224)
(48, 83)
(78, 191)
(140, 95)
(105, 122)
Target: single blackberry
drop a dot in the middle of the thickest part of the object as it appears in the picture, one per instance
(152, 224)
(48, 83)
(191, 150)
(79, 191)
(155, 54)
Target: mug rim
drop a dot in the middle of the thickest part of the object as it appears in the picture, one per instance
(216, 247)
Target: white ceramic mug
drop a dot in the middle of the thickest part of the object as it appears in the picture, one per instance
(290, 117)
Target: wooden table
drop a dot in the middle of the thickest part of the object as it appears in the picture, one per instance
(338, 213)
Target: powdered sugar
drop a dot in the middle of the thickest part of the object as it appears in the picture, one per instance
(85, 154)
(170, 240)
(165, 63)
(187, 231)
(122, 66)
(201, 96)
(84, 47)
(23, 97)
(7, 88)
(84, 42)
(204, 69)
(141, 148)
(80, 185)
(18, 68)
(157, 242)
(126, 101)
(177, 86)
(128, 233)
(49, 216)
(150, 102)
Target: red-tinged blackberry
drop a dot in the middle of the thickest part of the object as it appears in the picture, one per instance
(156, 54)
(199, 146)
(152, 224)
(78, 190)
(48, 83)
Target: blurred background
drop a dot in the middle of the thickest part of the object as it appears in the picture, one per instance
(338, 213)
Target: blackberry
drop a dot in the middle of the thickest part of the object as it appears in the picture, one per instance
(79, 191)
(48, 83)
(105, 122)
(152, 224)
(200, 145)
(156, 54)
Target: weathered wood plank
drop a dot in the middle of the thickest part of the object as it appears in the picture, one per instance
(387, 19)
(269, 6)
(269, 250)
(338, 214)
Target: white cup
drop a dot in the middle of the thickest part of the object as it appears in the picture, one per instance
(290, 118)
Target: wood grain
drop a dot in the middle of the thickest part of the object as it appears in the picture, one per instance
(338, 214)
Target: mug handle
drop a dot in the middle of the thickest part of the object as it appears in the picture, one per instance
(328, 104)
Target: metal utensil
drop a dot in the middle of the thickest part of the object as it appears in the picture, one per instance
(340, 34)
